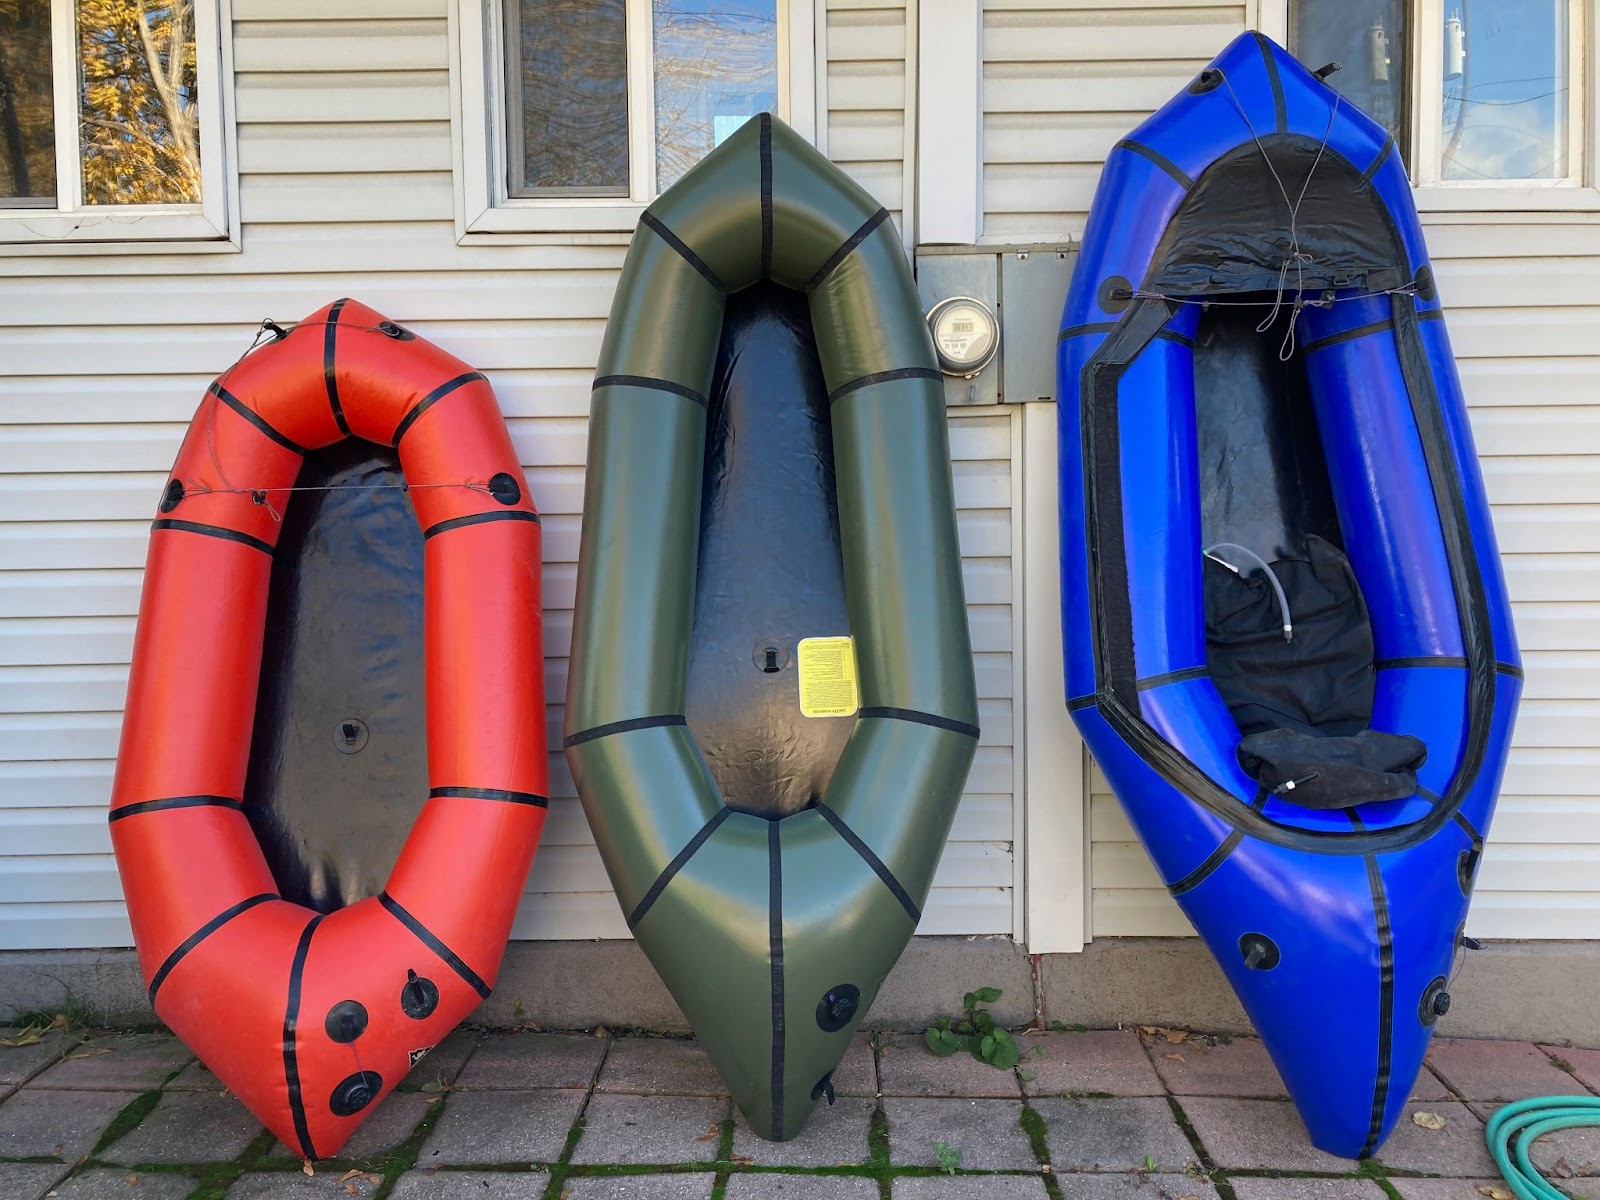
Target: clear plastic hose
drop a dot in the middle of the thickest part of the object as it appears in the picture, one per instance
(1272, 578)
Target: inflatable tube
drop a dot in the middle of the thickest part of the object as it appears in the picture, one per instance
(1338, 924)
(774, 935)
(308, 1019)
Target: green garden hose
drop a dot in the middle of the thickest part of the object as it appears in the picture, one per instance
(1513, 1130)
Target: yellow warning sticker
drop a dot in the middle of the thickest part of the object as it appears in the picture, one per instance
(828, 677)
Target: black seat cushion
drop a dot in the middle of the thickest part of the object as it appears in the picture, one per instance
(1333, 772)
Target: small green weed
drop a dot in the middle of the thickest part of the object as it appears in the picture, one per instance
(1149, 1162)
(1063, 1027)
(947, 1157)
(975, 1032)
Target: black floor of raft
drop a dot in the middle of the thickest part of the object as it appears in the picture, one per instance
(338, 761)
(1263, 477)
(770, 569)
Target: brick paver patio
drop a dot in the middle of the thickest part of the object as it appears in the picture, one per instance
(1104, 1115)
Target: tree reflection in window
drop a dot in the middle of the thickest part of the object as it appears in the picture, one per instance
(27, 114)
(139, 124)
(716, 65)
(569, 109)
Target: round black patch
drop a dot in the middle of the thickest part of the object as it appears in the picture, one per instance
(1435, 1001)
(347, 1020)
(1260, 952)
(1115, 294)
(1467, 869)
(419, 997)
(504, 489)
(173, 496)
(837, 1008)
(1424, 283)
(1208, 80)
(355, 1093)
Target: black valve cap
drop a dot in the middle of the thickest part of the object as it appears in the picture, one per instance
(419, 997)
(347, 1020)
(1260, 952)
(837, 1008)
(354, 1093)
(1435, 1001)
(173, 496)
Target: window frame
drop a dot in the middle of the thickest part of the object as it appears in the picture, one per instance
(485, 210)
(1579, 191)
(75, 227)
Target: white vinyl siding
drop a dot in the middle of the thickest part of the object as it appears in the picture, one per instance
(867, 97)
(345, 152)
(1063, 81)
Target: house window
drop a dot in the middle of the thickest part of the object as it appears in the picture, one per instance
(1367, 38)
(104, 121)
(1489, 100)
(583, 111)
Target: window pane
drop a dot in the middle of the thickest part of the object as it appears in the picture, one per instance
(139, 128)
(1505, 90)
(716, 67)
(569, 114)
(1368, 38)
(27, 118)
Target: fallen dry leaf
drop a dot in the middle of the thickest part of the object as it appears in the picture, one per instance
(305, 1167)
(1495, 1192)
(1428, 1120)
(739, 1158)
(131, 1180)
(710, 1135)
(90, 1052)
(1561, 1170)
(1174, 1036)
(347, 1176)
(600, 1031)
(31, 1036)
(1175, 1057)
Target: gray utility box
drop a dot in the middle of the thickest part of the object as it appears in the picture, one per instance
(1025, 287)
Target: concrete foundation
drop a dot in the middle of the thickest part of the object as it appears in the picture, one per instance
(1538, 991)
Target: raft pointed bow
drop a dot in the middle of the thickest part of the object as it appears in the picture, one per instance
(1336, 926)
(311, 1019)
(774, 935)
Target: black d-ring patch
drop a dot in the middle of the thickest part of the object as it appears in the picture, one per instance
(1424, 283)
(504, 488)
(1115, 294)
(1208, 80)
